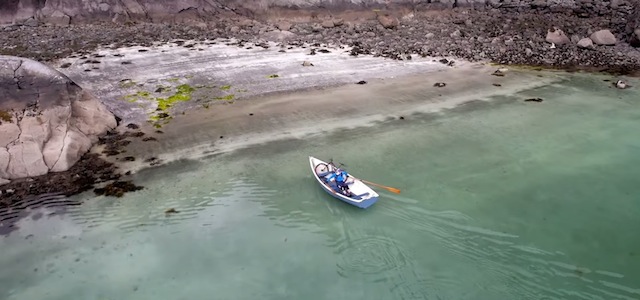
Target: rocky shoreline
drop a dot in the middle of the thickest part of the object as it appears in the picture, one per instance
(499, 36)
(565, 40)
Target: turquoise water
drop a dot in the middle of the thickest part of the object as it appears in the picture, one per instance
(500, 199)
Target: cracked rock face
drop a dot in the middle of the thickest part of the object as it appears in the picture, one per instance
(47, 122)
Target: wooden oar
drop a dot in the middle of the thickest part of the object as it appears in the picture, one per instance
(388, 188)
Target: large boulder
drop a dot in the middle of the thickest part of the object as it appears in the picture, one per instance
(557, 36)
(47, 122)
(603, 37)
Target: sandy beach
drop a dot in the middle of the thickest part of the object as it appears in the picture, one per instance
(299, 102)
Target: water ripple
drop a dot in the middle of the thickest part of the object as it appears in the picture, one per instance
(142, 211)
(28, 207)
(502, 259)
(370, 255)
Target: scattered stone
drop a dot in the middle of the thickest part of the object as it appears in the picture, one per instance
(65, 65)
(328, 24)
(621, 84)
(533, 100)
(497, 84)
(126, 62)
(159, 131)
(440, 84)
(401, 118)
(251, 114)
(586, 43)
(132, 126)
(498, 73)
(361, 82)
(171, 211)
(557, 37)
(149, 138)
(603, 37)
(307, 63)
(388, 22)
(284, 26)
(129, 158)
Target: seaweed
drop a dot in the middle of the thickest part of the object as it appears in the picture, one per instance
(5, 116)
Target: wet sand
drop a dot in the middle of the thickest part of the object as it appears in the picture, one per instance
(299, 114)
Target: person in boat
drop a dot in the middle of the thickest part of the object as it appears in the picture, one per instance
(340, 176)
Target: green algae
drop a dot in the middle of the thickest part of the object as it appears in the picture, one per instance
(273, 76)
(137, 96)
(225, 87)
(229, 97)
(182, 94)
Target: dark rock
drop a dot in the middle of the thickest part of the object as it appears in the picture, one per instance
(361, 82)
(132, 126)
(439, 84)
(149, 138)
(171, 211)
(533, 100)
(117, 188)
(89, 170)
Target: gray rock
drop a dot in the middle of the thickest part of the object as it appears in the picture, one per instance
(58, 18)
(557, 37)
(603, 37)
(388, 22)
(278, 36)
(284, 26)
(30, 22)
(586, 43)
(328, 24)
(48, 122)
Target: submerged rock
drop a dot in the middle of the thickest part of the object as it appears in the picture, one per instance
(47, 121)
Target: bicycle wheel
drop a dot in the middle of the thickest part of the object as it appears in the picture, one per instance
(321, 169)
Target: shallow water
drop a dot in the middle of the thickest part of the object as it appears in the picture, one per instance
(501, 199)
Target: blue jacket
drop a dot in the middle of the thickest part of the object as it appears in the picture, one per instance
(339, 178)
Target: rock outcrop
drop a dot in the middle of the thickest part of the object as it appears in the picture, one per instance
(47, 122)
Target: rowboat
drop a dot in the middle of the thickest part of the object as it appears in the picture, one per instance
(362, 196)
